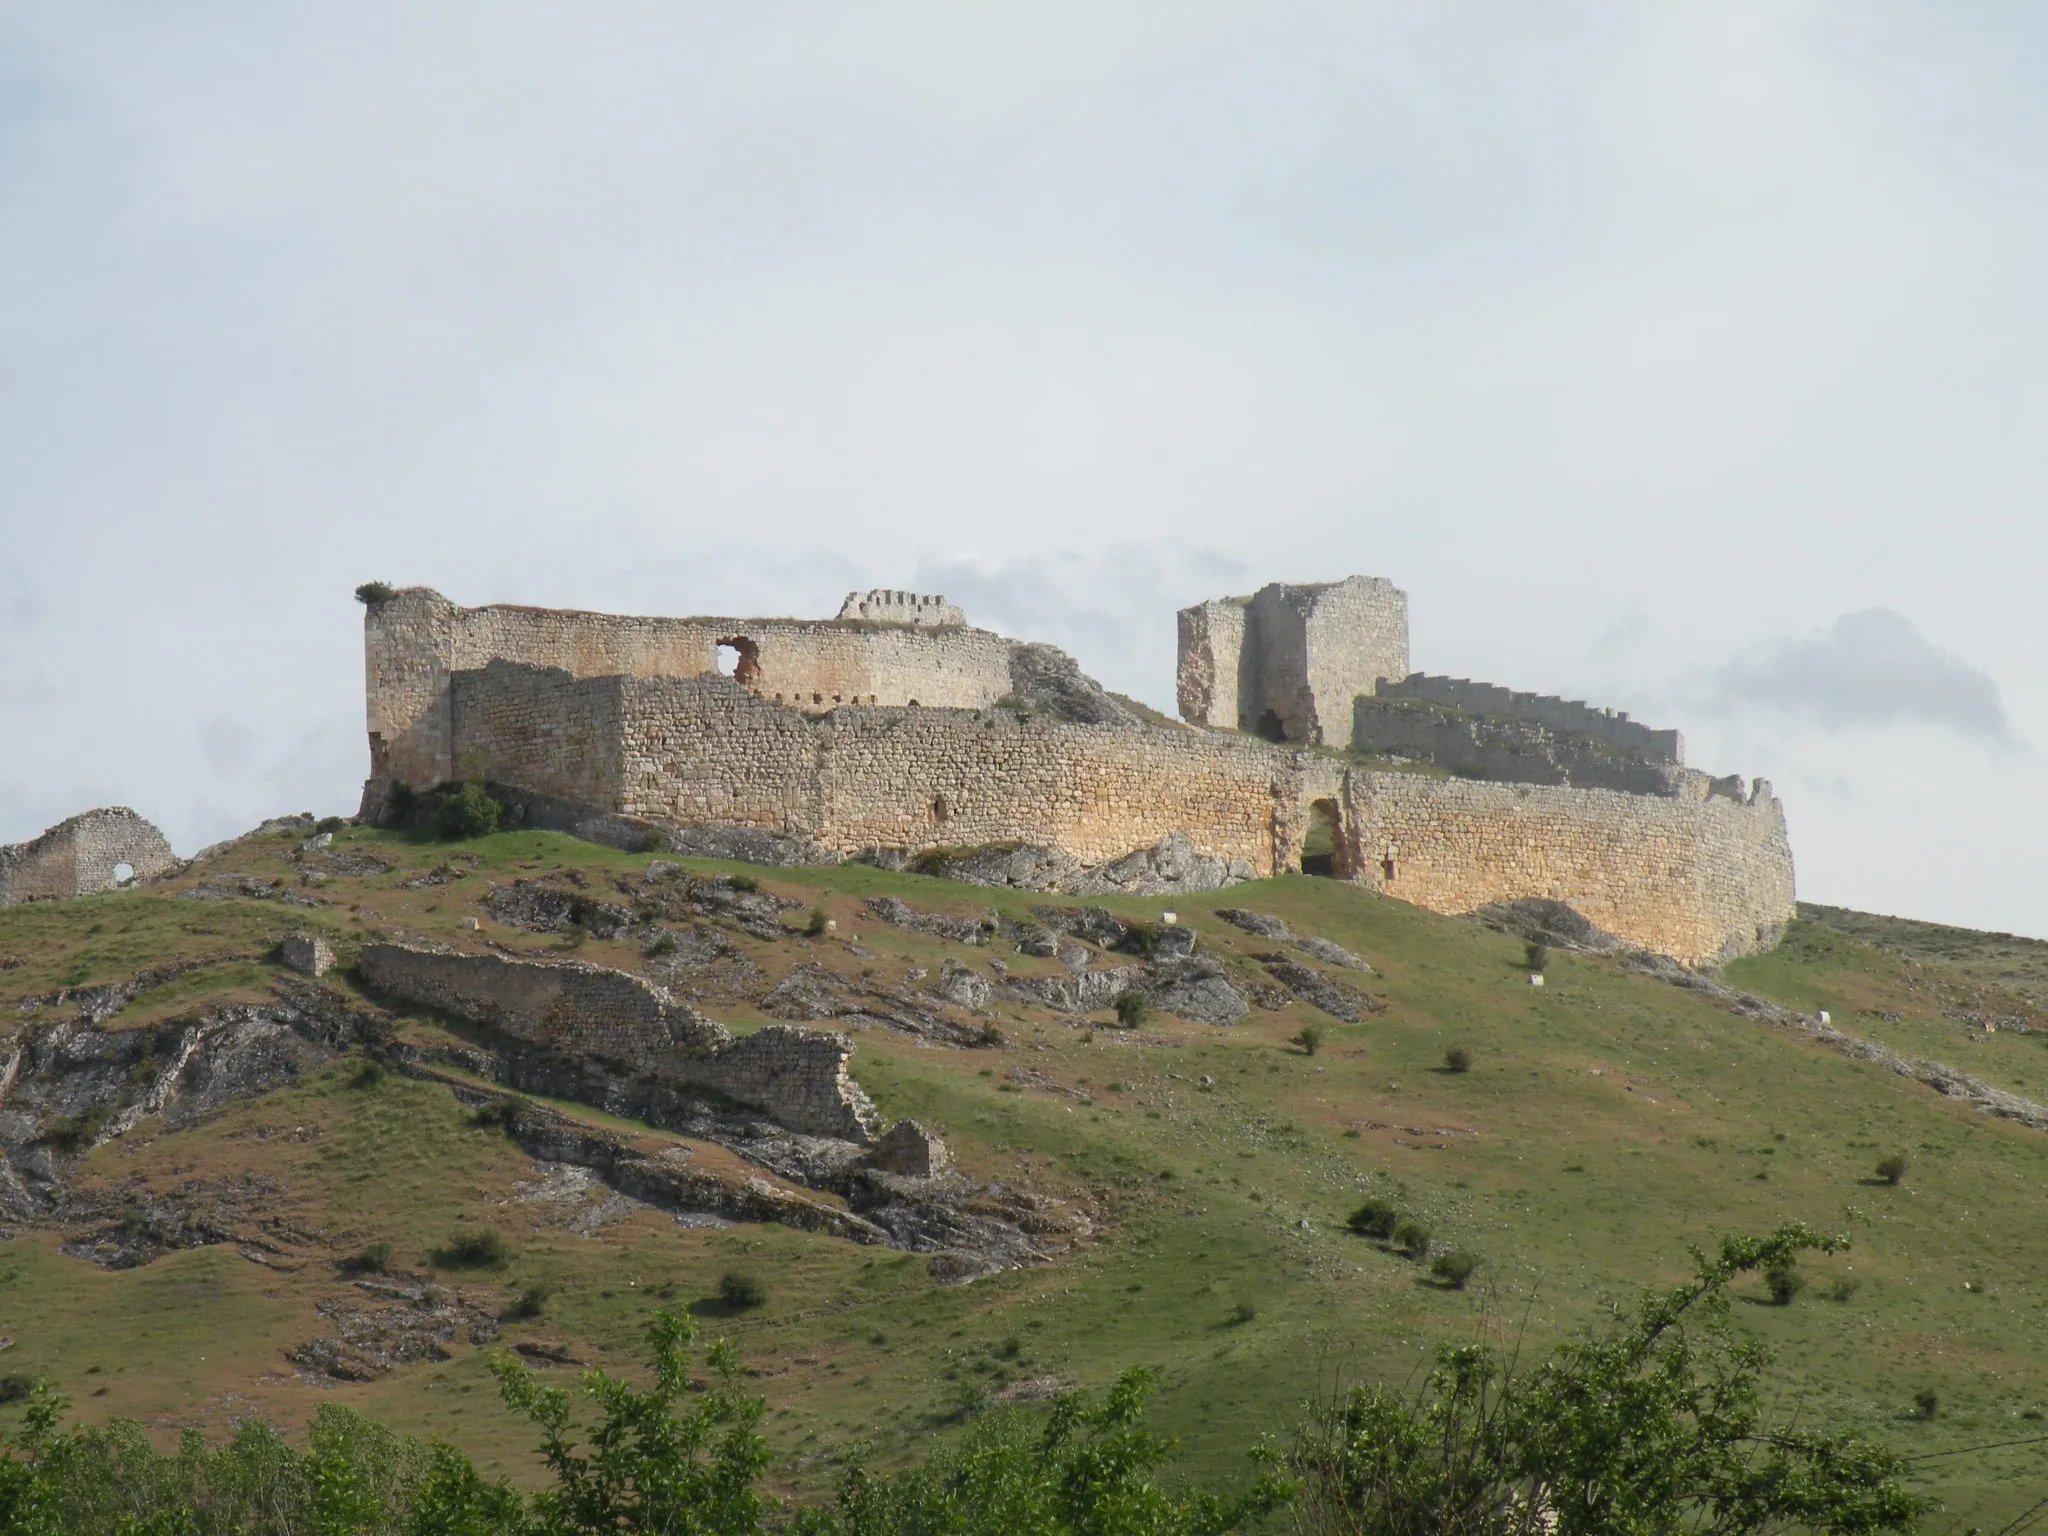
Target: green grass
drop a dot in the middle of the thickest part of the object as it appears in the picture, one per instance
(1607, 1122)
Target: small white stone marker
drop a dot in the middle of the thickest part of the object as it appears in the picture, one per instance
(1535, 978)
(1824, 1016)
(1169, 917)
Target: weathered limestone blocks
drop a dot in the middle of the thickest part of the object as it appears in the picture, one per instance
(881, 606)
(307, 953)
(797, 1076)
(911, 1150)
(83, 856)
(1701, 880)
(1516, 749)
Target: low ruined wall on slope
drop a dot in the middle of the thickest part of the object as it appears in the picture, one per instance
(796, 1076)
(1700, 879)
(82, 857)
(1564, 715)
(1514, 751)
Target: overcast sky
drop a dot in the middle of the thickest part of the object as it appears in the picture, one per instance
(1686, 358)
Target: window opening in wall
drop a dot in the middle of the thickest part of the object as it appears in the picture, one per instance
(817, 698)
(1269, 727)
(1387, 868)
(940, 810)
(1322, 849)
(123, 874)
(739, 659)
(913, 703)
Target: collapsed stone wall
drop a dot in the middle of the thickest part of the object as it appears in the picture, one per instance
(882, 606)
(796, 1076)
(1702, 878)
(1286, 662)
(416, 640)
(82, 857)
(1520, 751)
(1566, 716)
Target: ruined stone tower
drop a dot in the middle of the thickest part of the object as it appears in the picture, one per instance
(1286, 663)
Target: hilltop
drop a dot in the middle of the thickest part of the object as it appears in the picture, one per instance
(1183, 1186)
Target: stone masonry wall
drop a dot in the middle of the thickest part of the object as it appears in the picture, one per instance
(1698, 876)
(1211, 647)
(1701, 879)
(1564, 715)
(417, 639)
(80, 856)
(880, 605)
(797, 1076)
(1509, 750)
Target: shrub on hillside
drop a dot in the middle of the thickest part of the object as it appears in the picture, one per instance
(373, 1260)
(479, 1248)
(742, 1291)
(532, 1302)
(1412, 1238)
(1309, 1038)
(1892, 1170)
(1376, 1218)
(1457, 1059)
(816, 924)
(468, 812)
(501, 1114)
(1454, 1269)
(1926, 1404)
(367, 1075)
(1784, 1282)
(746, 883)
(1131, 1009)
(1536, 956)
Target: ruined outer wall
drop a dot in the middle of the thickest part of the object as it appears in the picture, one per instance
(525, 725)
(1509, 750)
(798, 1076)
(1566, 715)
(77, 857)
(1699, 879)
(415, 640)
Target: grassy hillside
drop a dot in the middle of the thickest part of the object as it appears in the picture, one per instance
(1607, 1121)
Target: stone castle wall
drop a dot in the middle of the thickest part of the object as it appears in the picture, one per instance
(1516, 751)
(707, 752)
(1698, 877)
(798, 1076)
(417, 640)
(81, 857)
(1702, 878)
(883, 606)
(1566, 716)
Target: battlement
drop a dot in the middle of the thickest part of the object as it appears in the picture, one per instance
(880, 606)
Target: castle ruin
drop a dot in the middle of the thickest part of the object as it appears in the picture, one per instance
(898, 728)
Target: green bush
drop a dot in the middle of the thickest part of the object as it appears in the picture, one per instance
(1376, 1218)
(373, 1260)
(745, 883)
(532, 1302)
(1141, 939)
(1457, 1059)
(1309, 1038)
(1784, 1282)
(367, 1075)
(1892, 1170)
(1926, 1404)
(372, 594)
(663, 943)
(1244, 1312)
(76, 1133)
(478, 1248)
(1454, 1269)
(331, 824)
(817, 922)
(1535, 956)
(1132, 1009)
(501, 1114)
(468, 812)
(14, 1389)
(1412, 1238)
(741, 1291)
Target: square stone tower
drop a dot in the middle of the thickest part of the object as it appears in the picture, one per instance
(1286, 662)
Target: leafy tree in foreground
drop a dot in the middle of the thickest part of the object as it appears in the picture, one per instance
(1091, 1471)
(1653, 1429)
